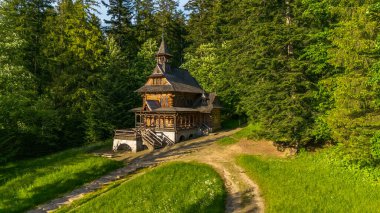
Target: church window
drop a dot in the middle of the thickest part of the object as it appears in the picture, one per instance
(157, 81)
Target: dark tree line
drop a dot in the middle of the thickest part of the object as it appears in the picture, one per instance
(65, 81)
(306, 71)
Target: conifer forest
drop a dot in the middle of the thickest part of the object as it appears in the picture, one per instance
(307, 72)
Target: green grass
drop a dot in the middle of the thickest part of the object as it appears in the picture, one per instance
(174, 187)
(25, 184)
(226, 141)
(310, 183)
(246, 132)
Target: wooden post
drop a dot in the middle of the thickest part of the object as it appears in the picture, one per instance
(193, 120)
(143, 119)
(164, 121)
(175, 122)
(136, 120)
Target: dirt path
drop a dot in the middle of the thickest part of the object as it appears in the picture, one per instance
(243, 193)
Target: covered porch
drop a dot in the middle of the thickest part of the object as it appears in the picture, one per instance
(169, 121)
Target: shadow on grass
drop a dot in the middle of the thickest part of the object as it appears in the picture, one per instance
(29, 184)
(213, 207)
(15, 169)
(49, 191)
(152, 159)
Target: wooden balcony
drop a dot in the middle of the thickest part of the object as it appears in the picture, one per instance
(127, 134)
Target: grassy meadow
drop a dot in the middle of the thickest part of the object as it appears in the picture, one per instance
(25, 184)
(227, 141)
(173, 187)
(246, 132)
(311, 183)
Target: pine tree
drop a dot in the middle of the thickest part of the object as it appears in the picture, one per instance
(355, 116)
(171, 23)
(205, 20)
(266, 56)
(28, 121)
(27, 18)
(146, 26)
(119, 26)
(75, 49)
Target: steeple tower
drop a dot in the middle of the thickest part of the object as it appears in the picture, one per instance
(163, 54)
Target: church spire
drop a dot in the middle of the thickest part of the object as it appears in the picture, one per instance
(163, 54)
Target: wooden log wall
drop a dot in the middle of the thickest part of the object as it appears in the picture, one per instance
(216, 119)
(184, 100)
(157, 81)
(165, 99)
(171, 121)
(159, 121)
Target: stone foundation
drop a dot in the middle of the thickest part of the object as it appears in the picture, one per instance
(135, 145)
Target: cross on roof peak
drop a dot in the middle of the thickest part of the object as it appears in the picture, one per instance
(163, 50)
(163, 54)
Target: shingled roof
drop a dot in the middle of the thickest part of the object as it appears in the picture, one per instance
(166, 109)
(210, 102)
(163, 50)
(180, 80)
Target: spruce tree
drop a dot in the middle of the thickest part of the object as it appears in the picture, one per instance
(205, 22)
(354, 118)
(27, 18)
(75, 49)
(119, 26)
(28, 121)
(145, 24)
(171, 22)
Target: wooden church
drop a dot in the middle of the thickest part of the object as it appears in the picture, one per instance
(174, 107)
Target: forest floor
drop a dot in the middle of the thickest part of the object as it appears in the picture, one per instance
(243, 194)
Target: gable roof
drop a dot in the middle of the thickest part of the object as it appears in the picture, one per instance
(152, 104)
(180, 80)
(211, 102)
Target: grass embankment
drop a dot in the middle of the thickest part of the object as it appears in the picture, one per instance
(311, 183)
(174, 187)
(26, 184)
(246, 132)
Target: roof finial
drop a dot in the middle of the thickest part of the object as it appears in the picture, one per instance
(163, 50)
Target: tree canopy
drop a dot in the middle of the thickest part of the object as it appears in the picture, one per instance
(306, 71)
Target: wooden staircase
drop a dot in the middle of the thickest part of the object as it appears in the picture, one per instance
(156, 140)
(165, 139)
(205, 129)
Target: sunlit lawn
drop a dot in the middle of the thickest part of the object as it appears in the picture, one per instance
(26, 184)
(309, 183)
(246, 132)
(175, 187)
